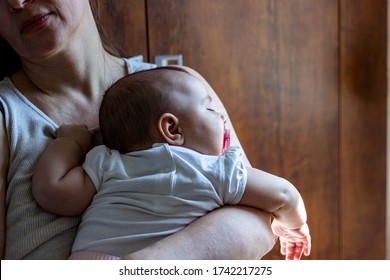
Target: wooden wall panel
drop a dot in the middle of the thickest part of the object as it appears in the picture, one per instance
(274, 65)
(363, 128)
(125, 22)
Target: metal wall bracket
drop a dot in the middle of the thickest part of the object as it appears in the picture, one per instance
(165, 60)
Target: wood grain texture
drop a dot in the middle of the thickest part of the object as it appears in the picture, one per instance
(363, 95)
(125, 22)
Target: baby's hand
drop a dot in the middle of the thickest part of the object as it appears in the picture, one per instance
(293, 242)
(76, 132)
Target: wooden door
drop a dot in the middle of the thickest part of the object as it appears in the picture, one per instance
(304, 83)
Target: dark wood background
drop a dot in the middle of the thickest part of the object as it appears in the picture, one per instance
(305, 85)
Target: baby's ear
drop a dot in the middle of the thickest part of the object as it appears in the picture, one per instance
(169, 128)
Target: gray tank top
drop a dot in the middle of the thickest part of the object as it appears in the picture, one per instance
(31, 232)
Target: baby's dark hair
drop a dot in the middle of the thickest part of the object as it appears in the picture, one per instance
(132, 106)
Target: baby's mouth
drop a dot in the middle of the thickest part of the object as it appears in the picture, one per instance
(226, 140)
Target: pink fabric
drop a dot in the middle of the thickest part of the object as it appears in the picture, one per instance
(87, 255)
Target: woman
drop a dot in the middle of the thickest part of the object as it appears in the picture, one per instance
(65, 71)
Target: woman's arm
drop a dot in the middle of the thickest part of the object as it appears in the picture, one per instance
(4, 163)
(230, 232)
(60, 184)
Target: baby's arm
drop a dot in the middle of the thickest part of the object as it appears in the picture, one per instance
(59, 184)
(279, 197)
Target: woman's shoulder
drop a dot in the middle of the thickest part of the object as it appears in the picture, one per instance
(6, 89)
(5, 83)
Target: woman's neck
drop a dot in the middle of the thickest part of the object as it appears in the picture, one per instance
(80, 70)
(69, 86)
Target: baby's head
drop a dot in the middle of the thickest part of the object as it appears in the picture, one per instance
(162, 105)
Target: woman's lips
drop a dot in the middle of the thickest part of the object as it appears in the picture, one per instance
(34, 23)
(226, 140)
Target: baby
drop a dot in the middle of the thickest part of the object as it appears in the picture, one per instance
(166, 161)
